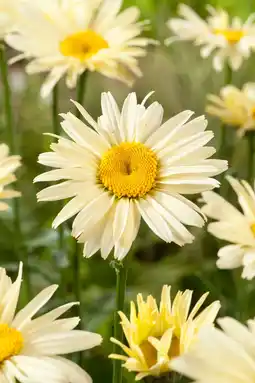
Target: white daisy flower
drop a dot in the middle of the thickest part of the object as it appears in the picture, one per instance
(234, 226)
(129, 166)
(30, 348)
(231, 41)
(68, 37)
(8, 165)
(235, 107)
(221, 356)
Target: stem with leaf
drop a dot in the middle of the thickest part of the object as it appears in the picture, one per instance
(121, 281)
(20, 248)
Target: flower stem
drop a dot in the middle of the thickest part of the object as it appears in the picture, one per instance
(251, 143)
(56, 130)
(76, 255)
(121, 280)
(20, 248)
(223, 150)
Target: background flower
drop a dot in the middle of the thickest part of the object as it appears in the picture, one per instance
(130, 166)
(156, 335)
(230, 41)
(234, 226)
(235, 107)
(8, 165)
(30, 347)
(69, 37)
(224, 356)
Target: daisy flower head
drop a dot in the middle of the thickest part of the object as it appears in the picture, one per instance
(30, 347)
(222, 356)
(68, 37)
(130, 165)
(235, 107)
(231, 41)
(234, 226)
(8, 165)
(156, 335)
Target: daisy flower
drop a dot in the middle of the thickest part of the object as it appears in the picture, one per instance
(235, 107)
(230, 40)
(8, 165)
(156, 335)
(129, 166)
(221, 356)
(68, 37)
(234, 226)
(30, 348)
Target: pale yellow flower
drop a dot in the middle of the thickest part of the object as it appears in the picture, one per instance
(8, 165)
(235, 107)
(234, 226)
(156, 335)
(30, 347)
(68, 37)
(130, 165)
(228, 41)
(226, 356)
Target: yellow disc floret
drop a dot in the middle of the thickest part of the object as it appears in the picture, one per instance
(128, 170)
(233, 36)
(11, 342)
(82, 45)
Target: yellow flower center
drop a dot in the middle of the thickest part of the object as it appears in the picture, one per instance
(82, 45)
(233, 36)
(253, 228)
(128, 170)
(253, 115)
(150, 353)
(11, 342)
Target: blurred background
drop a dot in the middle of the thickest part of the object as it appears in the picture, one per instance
(181, 80)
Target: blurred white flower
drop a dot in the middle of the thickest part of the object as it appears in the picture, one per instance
(8, 165)
(156, 334)
(9, 16)
(235, 107)
(30, 348)
(234, 226)
(230, 41)
(221, 356)
(129, 166)
(68, 37)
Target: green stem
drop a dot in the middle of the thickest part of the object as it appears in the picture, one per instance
(76, 254)
(56, 130)
(223, 150)
(20, 249)
(251, 143)
(121, 280)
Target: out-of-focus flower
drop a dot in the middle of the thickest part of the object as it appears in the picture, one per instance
(230, 41)
(129, 166)
(156, 335)
(68, 37)
(30, 348)
(8, 165)
(234, 226)
(221, 356)
(235, 107)
(9, 16)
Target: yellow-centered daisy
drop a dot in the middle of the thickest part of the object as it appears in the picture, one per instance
(8, 165)
(235, 107)
(30, 347)
(129, 165)
(234, 226)
(68, 37)
(156, 335)
(222, 356)
(229, 41)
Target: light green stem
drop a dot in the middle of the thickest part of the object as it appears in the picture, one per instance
(121, 280)
(20, 249)
(223, 150)
(57, 130)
